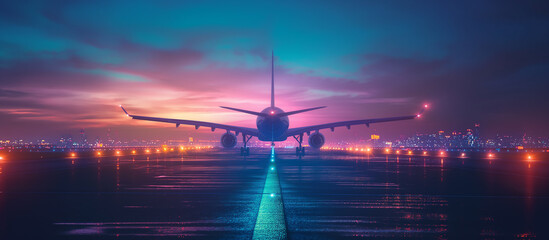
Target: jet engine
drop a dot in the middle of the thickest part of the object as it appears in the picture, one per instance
(316, 140)
(228, 140)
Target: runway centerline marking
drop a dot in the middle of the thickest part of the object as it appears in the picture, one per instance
(271, 222)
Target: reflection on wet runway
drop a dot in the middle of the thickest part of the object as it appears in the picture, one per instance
(215, 194)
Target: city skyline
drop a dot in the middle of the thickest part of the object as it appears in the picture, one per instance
(67, 66)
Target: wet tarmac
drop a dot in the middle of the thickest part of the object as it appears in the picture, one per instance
(220, 195)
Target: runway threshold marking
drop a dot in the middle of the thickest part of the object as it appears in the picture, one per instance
(271, 223)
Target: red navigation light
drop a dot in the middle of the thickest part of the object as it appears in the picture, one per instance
(272, 112)
(426, 106)
(490, 155)
(418, 116)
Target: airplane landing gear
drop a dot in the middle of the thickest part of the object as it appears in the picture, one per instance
(245, 151)
(299, 151)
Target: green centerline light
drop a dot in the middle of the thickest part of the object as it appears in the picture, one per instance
(271, 223)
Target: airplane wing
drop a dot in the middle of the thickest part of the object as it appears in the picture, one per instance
(348, 124)
(197, 124)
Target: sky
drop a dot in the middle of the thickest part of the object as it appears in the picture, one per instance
(67, 65)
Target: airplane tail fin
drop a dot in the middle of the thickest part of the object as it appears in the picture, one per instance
(298, 111)
(245, 111)
(272, 80)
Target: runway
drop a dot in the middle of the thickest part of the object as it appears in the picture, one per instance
(217, 194)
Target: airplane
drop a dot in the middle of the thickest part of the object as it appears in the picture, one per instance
(273, 125)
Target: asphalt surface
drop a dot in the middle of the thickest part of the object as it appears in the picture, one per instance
(216, 194)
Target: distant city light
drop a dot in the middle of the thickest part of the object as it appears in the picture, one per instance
(398, 151)
(147, 151)
(490, 155)
(272, 194)
(529, 157)
(409, 152)
(117, 152)
(386, 150)
(462, 154)
(133, 151)
(424, 153)
(441, 152)
(98, 153)
(426, 106)
(73, 155)
(368, 149)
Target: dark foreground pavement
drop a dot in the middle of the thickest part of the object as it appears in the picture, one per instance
(221, 195)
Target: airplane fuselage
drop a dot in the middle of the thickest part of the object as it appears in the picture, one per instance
(272, 127)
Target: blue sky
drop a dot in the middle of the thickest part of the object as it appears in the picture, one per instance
(65, 64)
